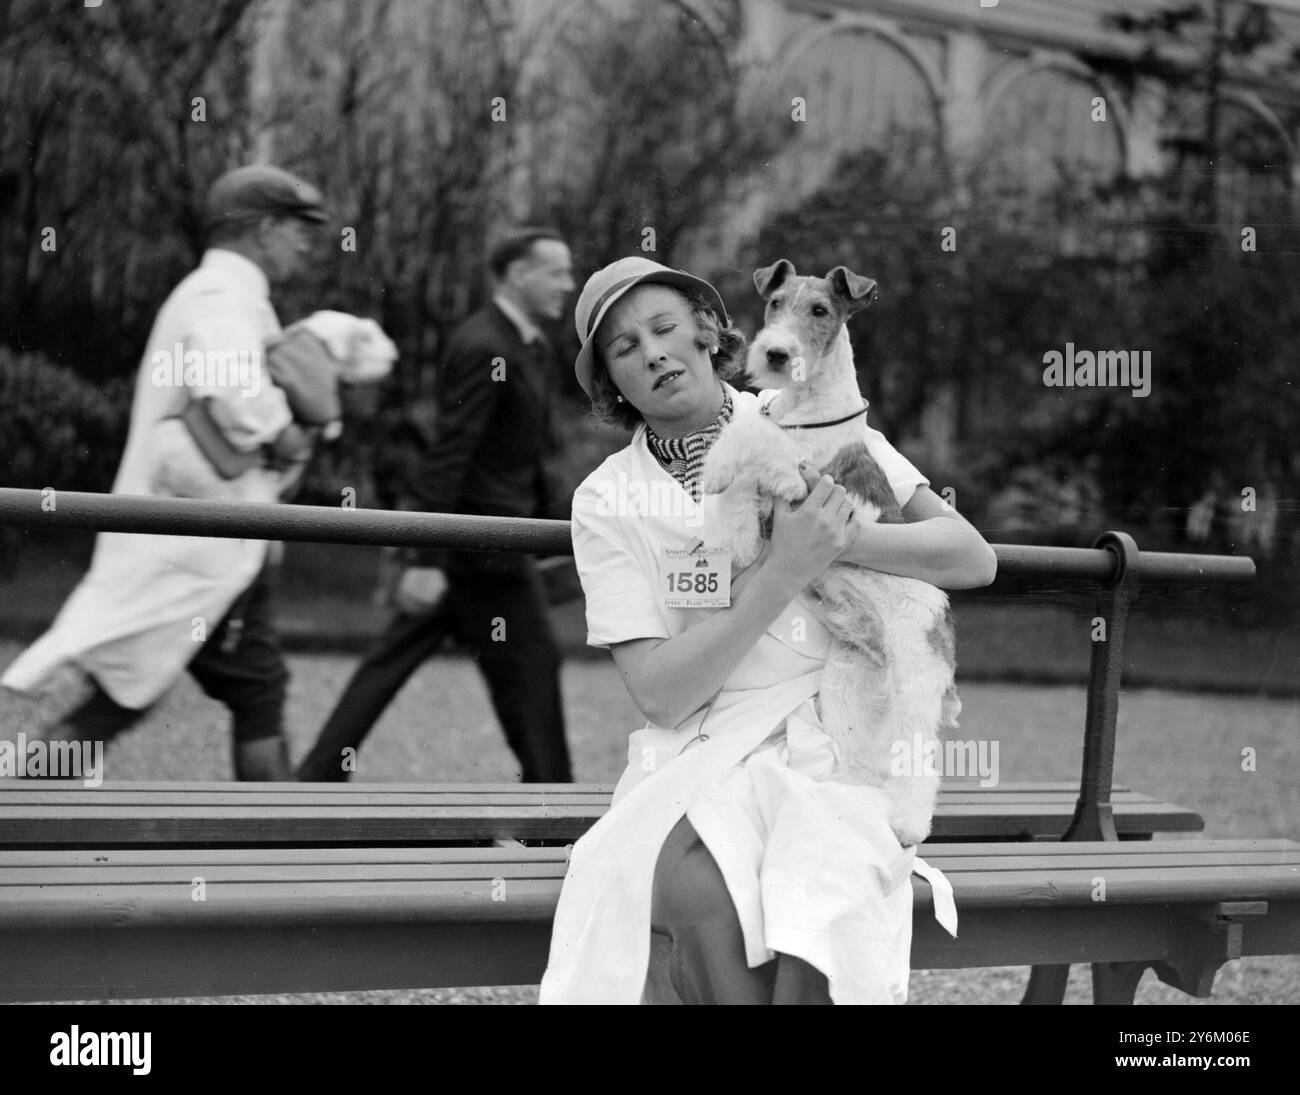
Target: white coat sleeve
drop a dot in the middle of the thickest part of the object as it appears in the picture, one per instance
(620, 595)
(249, 409)
(901, 472)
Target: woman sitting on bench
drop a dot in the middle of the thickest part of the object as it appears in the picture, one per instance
(752, 877)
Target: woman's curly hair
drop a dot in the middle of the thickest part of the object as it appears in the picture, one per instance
(728, 362)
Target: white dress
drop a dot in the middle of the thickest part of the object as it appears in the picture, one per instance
(811, 864)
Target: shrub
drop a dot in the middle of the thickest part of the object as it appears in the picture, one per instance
(58, 430)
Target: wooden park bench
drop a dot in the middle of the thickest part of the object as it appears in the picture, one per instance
(97, 924)
(128, 891)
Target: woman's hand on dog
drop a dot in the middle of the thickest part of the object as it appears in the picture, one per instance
(809, 535)
(811, 476)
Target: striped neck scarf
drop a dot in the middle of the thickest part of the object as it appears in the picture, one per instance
(683, 457)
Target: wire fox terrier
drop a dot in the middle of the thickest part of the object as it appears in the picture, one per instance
(887, 685)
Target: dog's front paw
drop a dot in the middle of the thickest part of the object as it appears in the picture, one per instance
(727, 459)
(783, 482)
(911, 833)
(716, 477)
(742, 532)
(722, 467)
(912, 808)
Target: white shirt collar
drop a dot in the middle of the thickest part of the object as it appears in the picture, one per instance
(239, 267)
(528, 330)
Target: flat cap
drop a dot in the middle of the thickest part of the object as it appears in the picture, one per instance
(260, 190)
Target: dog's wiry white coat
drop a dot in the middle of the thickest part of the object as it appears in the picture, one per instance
(885, 681)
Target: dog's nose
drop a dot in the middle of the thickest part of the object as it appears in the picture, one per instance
(777, 358)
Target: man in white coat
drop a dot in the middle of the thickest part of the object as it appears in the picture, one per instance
(152, 607)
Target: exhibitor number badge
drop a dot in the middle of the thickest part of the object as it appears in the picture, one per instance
(695, 579)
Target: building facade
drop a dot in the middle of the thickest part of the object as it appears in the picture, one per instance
(1030, 89)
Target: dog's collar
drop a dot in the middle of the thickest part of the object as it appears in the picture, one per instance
(815, 425)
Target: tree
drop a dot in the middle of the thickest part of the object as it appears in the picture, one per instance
(115, 116)
(643, 130)
(1200, 49)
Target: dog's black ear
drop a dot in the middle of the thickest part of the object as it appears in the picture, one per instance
(768, 280)
(856, 291)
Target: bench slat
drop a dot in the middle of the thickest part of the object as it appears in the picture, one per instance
(980, 875)
(236, 792)
(307, 904)
(103, 799)
(191, 857)
(1184, 882)
(253, 789)
(49, 792)
(36, 814)
(289, 793)
(1028, 856)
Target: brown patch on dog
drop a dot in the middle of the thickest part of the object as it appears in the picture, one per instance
(852, 614)
(942, 640)
(856, 470)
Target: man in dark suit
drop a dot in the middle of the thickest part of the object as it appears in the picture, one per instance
(494, 394)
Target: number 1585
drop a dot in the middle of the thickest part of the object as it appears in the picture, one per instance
(684, 581)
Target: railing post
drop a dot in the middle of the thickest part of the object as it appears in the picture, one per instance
(1093, 816)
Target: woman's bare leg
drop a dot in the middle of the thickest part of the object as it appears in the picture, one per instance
(797, 982)
(692, 907)
(706, 954)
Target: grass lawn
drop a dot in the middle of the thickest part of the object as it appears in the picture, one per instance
(1183, 747)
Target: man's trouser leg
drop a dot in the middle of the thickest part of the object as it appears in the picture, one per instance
(500, 611)
(692, 907)
(97, 718)
(408, 642)
(241, 665)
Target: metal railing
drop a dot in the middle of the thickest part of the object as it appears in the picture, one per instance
(1114, 566)
(338, 525)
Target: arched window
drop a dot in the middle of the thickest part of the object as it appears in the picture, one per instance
(1255, 159)
(1255, 186)
(1044, 124)
(847, 86)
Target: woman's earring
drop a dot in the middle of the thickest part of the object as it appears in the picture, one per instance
(618, 399)
(713, 349)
